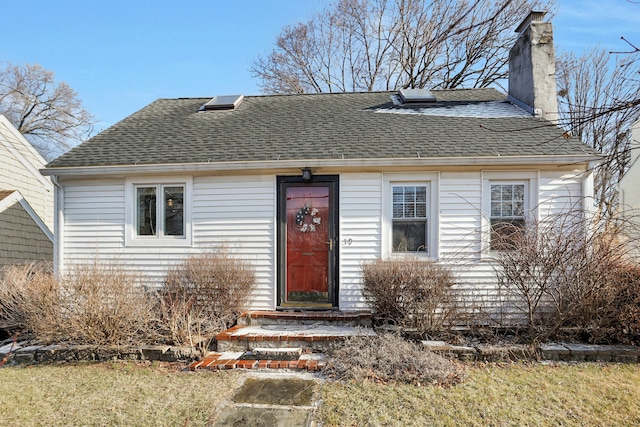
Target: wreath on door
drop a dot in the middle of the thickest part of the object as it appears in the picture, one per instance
(304, 225)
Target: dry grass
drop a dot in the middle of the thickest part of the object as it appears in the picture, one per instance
(388, 358)
(493, 395)
(112, 394)
(159, 395)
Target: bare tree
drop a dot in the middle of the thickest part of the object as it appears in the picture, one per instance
(47, 113)
(360, 45)
(599, 100)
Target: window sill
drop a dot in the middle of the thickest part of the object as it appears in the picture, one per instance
(158, 243)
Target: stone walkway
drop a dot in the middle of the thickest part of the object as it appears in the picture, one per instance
(267, 400)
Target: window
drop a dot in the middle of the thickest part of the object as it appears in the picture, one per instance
(507, 217)
(409, 218)
(158, 212)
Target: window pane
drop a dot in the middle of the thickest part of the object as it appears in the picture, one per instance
(507, 192)
(397, 195)
(173, 211)
(518, 192)
(505, 233)
(409, 211)
(409, 236)
(146, 211)
(409, 194)
(397, 210)
(495, 193)
(421, 194)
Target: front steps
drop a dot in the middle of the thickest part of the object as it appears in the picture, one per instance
(310, 331)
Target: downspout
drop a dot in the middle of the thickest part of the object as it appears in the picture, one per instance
(58, 227)
(587, 192)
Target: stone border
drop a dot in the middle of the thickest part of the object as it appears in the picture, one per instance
(22, 352)
(552, 352)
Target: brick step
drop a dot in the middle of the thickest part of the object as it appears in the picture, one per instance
(337, 318)
(234, 360)
(309, 337)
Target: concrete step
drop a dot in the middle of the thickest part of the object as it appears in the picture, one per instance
(309, 337)
(336, 318)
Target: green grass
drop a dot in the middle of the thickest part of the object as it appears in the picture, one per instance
(158, 395)
(112, 394)
(511, 395)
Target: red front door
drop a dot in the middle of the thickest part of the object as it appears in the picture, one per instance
(308, 237)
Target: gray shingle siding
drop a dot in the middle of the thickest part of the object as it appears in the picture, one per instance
(316, 126)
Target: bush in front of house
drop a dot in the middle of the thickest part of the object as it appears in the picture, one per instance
(413, 294)
(95, 303)
(105, 303)
(29, 298)
(574, 278)
(388, 358)
(205, 294)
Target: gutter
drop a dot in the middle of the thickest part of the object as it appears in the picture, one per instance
(316, 163)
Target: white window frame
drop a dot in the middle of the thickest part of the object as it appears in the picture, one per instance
(429, 180)
(530, 180)
(159, 239)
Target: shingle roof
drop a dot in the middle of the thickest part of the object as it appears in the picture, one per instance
(323, 126)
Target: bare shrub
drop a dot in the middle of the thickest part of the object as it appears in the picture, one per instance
(205, 294)
(569, 275)
(411, 293)
(29, 298)
(389, 358)
(103, 303)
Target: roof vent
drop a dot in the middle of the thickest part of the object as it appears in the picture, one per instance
(416, 96)
(226, 102)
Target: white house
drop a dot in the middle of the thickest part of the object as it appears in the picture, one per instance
(629, 184)
(307, 187)
(26, 200)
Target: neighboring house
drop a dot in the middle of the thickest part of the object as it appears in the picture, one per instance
(630, 182)
(307, 187)
(26, 200)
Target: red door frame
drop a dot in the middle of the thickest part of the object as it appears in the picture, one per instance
(330, 222)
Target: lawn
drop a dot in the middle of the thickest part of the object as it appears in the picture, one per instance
(158, 394)
(494, 395)
(112, 394)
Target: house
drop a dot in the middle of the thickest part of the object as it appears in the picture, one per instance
(629, 190)
(307, 187)
(26, 200)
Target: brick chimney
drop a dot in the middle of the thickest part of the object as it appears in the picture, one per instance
(532, 68)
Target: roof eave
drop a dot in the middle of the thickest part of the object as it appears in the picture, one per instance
(346, 163)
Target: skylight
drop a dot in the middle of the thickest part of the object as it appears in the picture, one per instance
(225, 102)
(416, 96)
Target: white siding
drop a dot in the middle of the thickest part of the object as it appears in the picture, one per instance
(360, 232)
(236, 213)
(239, 212)
(460, 215)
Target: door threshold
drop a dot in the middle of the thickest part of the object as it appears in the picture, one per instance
(305, 307)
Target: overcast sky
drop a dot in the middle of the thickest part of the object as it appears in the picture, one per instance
(120, 55)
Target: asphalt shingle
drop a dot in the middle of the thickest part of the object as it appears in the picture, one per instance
(321, 126)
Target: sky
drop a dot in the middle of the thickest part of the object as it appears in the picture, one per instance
(121, 55)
